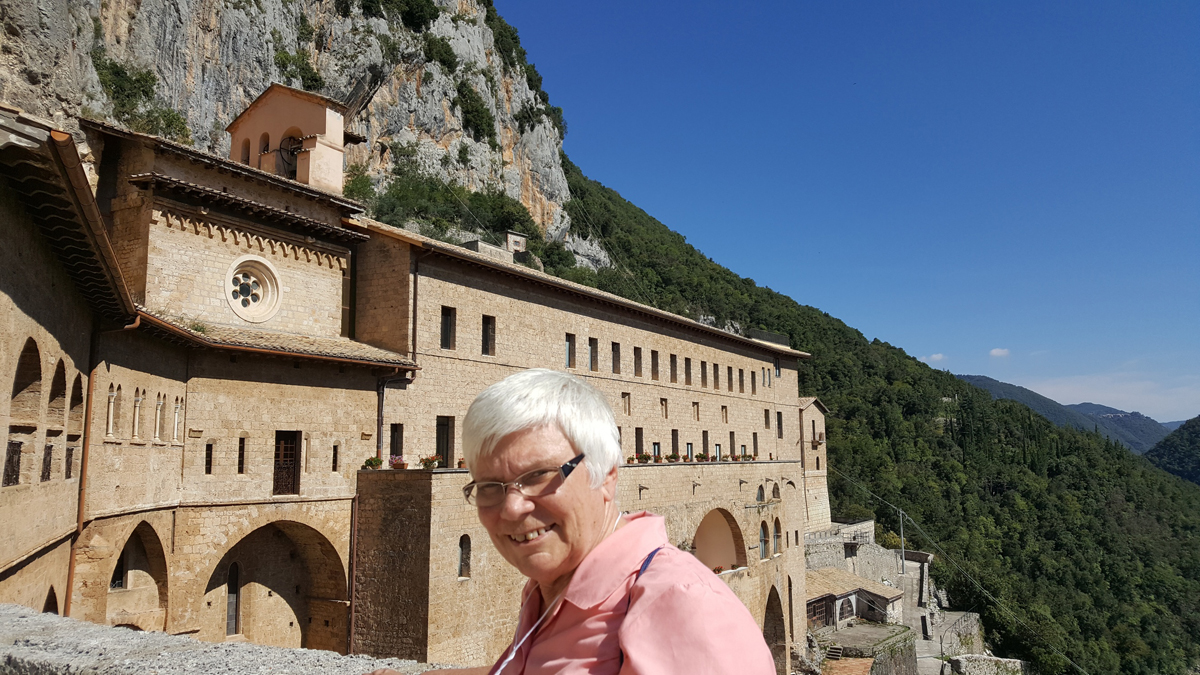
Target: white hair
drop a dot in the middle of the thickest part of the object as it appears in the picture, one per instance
(539, 397)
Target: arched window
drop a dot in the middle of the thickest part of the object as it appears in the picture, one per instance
(818, 464)
(778, 538)
(464, 557)
(775, 492)
(246, 151)
(57, 410)
(27, 386)
(760, 496)
(763, 540)
(233, 600)
(264, 144)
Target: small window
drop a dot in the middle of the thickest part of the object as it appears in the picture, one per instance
(763, 541)
(616, 358)
(674, 441)
(118, 575)
(674, 370)
(696, 410)
(335, 457)
(754, 440)
(570, 350)
(762, 495)
(729, 377)
(489, 335)
(775, 492)
(779, 424)
(687, 371)
(704, 442)
(778, 372)
(208, 459)
(732, 443)
(741, 381)
(654, 364)
(69, 462)
(449, 327)
(347, 305)
(626, 403)
(444, 440)
(264, 143)
(638, 438)
(464, 557)
(818, 464)
(242, 455)
(656, 449)
(717, 450)
(637, 361)
(12, 463)
(396, 441)
(593, 355)
(716, 376)
(47, 462)
(662, 402)
(766, 418)
(753, 383)
(725, 414)
(778, 539)
(246, 151)
(690, 453)
(704, 374)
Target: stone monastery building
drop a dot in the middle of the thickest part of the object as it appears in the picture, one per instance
(203, 351)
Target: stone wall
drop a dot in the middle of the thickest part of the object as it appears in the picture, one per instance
(964, 636)
(869, 561)
(979, 664)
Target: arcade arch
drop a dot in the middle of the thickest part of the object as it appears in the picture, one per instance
(718, 541)
(775, 631)
(137, 590)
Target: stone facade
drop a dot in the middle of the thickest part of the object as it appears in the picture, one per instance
(214, 486)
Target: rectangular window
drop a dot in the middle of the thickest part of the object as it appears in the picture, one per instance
(616, 358)
(716, 376)
(626, 403)
(704, 442)
(593, 354)
(637, 361)
(729, 377)
(725, 414)
(674, 370)
(696, 410)
(449, 327)
(208, 453)
(717, 451)
(656, 449)
(766, 418)
(47, 462)
(654, 364)
(778, 372)
(779, 424)
(753, 383)
(445, 440)
(741, 381)
(754, 440)
(347, 304)
(335, 457)
(637, 440)
(242, 455)
(396, 441)
(570, 350)
(704, 374)
(732, 444)
(489, 335)
(70, 461)
(690, 453)
(287, 463)
(663, 403)
(674, 441)
(687, 371)
(12, 463)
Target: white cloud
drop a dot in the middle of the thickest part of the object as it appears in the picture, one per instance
(933, 358)
(1166, 399)
(997, 352)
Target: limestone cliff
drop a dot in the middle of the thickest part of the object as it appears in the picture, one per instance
(210, 58)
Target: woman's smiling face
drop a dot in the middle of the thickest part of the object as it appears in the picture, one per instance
(545, 537)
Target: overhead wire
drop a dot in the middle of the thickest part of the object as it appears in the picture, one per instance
(997, 601)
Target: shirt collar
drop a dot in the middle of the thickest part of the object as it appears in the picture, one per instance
(615, 559)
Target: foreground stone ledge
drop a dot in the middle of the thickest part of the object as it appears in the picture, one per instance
(32, 643)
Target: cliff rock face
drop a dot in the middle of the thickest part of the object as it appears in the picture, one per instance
(213, 57)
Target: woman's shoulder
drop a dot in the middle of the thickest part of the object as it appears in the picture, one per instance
(672, 568)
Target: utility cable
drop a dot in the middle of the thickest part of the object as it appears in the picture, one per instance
(998, 602)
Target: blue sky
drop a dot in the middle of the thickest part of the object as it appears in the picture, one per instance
(1002, 189)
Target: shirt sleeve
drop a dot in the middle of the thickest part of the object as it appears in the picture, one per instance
(692, 629)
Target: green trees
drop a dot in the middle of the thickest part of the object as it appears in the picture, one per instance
(1179, 452)
(134, 104)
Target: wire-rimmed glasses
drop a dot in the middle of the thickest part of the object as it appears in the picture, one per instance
(534, 483)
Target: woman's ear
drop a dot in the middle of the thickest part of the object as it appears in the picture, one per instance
(609, 486)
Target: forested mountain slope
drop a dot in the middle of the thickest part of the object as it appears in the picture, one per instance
(1131, 429)
(1089, 547)
(1179, 452)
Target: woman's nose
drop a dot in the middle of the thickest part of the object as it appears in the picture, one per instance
(515, 505)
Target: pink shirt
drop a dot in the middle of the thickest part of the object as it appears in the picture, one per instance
(682, 619)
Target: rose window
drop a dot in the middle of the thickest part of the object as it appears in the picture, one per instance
(252, 289)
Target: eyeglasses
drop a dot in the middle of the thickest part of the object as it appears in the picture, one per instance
(536, 483)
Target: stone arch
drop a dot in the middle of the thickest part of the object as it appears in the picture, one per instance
(26, 402)
(761, 496)
(775, 492)
(56, 410)
(75, 412)
(775, 631)
(137, 594)
(718, 541)
(292, 589)
(51, 604)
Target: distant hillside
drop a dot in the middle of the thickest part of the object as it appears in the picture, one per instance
(1131, 429)
(1172, 426)
(1179, 452)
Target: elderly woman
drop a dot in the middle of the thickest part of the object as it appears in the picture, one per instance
(607, 593)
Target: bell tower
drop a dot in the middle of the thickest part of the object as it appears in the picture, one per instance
(292, 133)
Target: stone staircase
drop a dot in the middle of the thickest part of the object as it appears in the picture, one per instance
(834, 653)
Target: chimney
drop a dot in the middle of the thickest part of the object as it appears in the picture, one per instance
(292, 133)
(514, 241)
